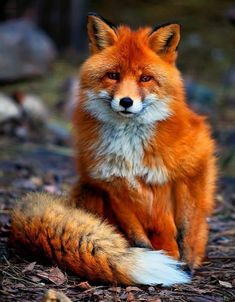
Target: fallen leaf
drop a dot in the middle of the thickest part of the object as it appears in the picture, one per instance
(133, 289)
(19, 285)
(154, 300)
(51, 188)
(35, 279)
(29, 267)
(84, 285)
(130, 297)
(42, 275)
(225, 284)
(56, 276)
(11, 290)
(98, 292)
(37, 181)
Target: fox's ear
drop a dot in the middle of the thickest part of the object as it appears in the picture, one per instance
(164, 41)
(101, 33)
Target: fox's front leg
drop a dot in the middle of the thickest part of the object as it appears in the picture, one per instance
(117, 212)
(130, 224)
(194, 201)
(164, 236)
(195, 240)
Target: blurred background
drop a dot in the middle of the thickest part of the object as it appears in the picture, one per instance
(42, 44)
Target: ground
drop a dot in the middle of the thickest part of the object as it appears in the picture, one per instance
(33, 166)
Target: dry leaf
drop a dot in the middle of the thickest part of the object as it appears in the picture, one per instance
(154, 299)
(19, 285)
(56, 276)
(130, 297)
(98, 292)
(35, 279)
(29, 267)
(115, 289)
(133, 289)
(84, 285)
(225, 284)
(42, 275)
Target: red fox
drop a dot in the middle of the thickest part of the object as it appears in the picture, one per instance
(145, 163)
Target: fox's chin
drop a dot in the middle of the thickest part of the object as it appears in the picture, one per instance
(126, 114)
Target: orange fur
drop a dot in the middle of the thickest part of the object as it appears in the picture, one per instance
(155, 184)
(182, 143)
(70, 237)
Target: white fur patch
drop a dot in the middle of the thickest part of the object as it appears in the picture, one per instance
(105, 108)
(121, 143)
(121, 150)
(154, 267)
(155, 109)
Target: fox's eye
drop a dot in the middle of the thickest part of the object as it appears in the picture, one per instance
(145, 78)
(113, 76)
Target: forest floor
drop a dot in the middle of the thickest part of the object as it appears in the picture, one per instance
(33, 166)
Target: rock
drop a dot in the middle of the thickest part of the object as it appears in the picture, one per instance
(22, 114)
(8, 109)
(25, 50)
(34, 108)
(10, 116)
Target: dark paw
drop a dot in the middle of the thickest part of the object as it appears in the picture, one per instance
(186, 268)
(142, 244)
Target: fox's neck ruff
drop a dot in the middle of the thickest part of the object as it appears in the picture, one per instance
(121, 142)
(120, 153)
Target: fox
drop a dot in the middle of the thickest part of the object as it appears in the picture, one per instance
(145, 163)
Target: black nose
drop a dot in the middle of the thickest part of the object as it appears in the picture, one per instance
(126, 102)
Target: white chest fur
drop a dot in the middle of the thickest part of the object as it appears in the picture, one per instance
(120, 151)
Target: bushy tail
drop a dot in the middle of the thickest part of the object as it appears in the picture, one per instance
(86, 245)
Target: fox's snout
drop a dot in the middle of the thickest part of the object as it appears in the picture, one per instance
(126, 106)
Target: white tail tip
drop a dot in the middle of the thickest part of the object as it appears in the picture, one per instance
(154, 267)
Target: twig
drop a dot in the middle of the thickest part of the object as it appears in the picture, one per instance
(22, 279)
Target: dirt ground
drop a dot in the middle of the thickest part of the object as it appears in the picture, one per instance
(32, 166)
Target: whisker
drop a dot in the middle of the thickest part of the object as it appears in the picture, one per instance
(101, 99)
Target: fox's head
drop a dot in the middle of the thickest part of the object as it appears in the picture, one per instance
(130, 75)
